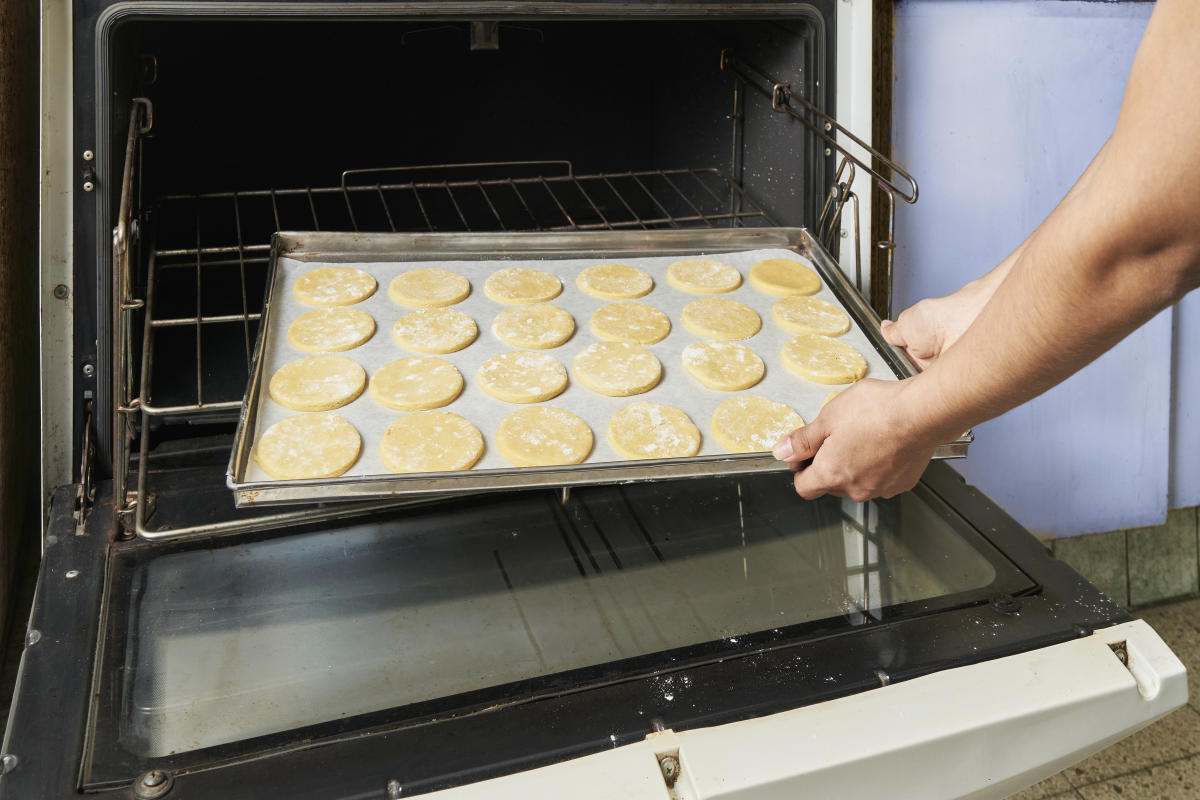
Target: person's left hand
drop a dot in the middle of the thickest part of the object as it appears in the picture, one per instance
(863, 444)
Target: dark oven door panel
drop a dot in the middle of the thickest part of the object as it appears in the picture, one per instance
(490, 635)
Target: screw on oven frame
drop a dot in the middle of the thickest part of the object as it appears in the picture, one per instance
(153, 784)
(394, 789)
(8, 762)
(61, 291)
(89, 370)
(88, 155)
(670, 769)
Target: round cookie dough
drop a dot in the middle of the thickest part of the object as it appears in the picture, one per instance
(617, 369)
(522, 377)
(416, 383)
(823, 360)
(637, 323)
(542, 436)
(334, 286)
(652, 430)
(830, 396)
(514, 286)
(308, 446)
(724, 366)
(428, 287)
(703, 276)
(615, 282)
(784, 277)
(430, 441)
(751, 424)
(317, 383)
(434, 330)
(720, 318)
(799, 314)
(538, 325)
(328, 330)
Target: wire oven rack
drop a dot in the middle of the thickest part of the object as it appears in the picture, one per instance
(202, 246)
(208, 256)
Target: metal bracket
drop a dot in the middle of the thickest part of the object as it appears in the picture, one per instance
(85, 495)
(891, 178)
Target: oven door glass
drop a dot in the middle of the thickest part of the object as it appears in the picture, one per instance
(485, 597)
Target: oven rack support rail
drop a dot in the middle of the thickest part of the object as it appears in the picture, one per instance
(892, 179)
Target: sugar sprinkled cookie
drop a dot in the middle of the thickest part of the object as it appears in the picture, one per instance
(653, 430)
(542, 436)
(615, 282)
(515, 285)
(724, 366)
(334, 286)
(751, 424)
(430, 441)
(330, 330)
(721, 318)
(416, 383)
(428, 287)
(823, 360)
(617, 369)
(783, 277)
(637, 323)
(539, 326)
(435, 330)
(520, 376)
(308, 446)
(703, 276)
(317, 383)
(801, 314)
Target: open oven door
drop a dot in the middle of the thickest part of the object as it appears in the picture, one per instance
(696, 638)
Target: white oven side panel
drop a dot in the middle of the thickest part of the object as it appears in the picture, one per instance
(982, 731)
(855, 68)
(56, 290)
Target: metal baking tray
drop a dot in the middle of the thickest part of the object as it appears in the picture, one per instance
(477, 255)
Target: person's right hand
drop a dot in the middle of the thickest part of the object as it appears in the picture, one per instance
(930, 327)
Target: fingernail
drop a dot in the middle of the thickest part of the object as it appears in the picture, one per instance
(783, 448)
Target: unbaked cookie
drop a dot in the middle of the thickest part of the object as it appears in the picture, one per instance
(783, 277)
(830, 396)
(430, 441)
(652, 430)
(429, 287)
(703, 276)
(434, 330)
(522, 377)
(724, 366)
(823, 360)
(334, 286)
(329, 330)
(799, 314)
(416, 383)
(615, 282)
(308, 446)
(617, 369)
(630, 322)
(751, 424)
(514, 286)
(317, 383)
(721, 318)
(542, 436)
(538, 325)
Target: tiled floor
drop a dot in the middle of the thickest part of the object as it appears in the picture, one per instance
(1161, 762)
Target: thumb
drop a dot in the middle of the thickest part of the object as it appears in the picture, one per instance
(893, 333)
(802, 443)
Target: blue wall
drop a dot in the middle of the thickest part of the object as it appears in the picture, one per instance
(999, 107)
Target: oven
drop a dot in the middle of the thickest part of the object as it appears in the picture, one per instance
(661, 636)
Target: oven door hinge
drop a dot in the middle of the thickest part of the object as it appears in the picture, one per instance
(85, 495)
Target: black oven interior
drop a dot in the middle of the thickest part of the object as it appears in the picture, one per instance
(431, 125)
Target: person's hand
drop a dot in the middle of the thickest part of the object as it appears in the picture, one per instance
(861, 445)
(931, 326)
